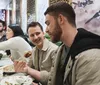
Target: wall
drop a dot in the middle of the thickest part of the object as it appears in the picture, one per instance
(4, 4)
(87, 14)
(41, 6)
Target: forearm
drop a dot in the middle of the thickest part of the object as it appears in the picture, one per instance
(6, 45)
(41, 76)
(34, 73)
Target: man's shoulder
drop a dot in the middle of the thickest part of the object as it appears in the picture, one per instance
(89, 54)
(52, 44)
(49, 45)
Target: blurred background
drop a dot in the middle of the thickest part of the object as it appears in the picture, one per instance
(24, 11)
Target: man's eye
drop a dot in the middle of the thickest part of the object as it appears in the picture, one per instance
(37, 33)
(48, 23)
(32, 35)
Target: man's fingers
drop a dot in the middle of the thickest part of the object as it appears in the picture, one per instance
(19, 66)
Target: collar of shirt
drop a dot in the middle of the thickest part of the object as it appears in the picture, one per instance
(45, 44)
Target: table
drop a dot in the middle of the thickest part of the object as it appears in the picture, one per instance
(16, 79)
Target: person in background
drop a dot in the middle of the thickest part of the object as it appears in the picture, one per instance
(42, 54)
(2, 33)
(15, 42)
(78, 59)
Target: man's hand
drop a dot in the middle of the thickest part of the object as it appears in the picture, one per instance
(20, 66)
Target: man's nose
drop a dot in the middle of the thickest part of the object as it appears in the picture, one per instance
(47, 29)
(35, 36)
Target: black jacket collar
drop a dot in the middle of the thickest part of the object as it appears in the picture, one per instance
(84, 40)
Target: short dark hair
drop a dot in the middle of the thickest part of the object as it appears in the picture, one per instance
(34, 24)
(16, 29)
(62, 8)
(3, 23)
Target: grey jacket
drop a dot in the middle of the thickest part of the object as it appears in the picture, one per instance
(85, 70)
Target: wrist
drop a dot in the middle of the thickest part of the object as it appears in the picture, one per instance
(26, 70)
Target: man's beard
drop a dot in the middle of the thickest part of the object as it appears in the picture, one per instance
(57, 33)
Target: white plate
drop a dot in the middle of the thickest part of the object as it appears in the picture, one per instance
(16, 80)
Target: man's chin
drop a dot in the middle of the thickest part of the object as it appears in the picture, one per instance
(39, 44)
(53, 40)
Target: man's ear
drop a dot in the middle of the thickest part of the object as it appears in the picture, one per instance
(61, 19)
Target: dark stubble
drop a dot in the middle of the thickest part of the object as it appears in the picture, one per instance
(57, 33)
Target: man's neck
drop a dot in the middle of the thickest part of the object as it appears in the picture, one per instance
(68, 37)
(40, 47)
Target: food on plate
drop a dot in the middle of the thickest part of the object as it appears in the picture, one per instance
(16, 80)
(8, 68)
